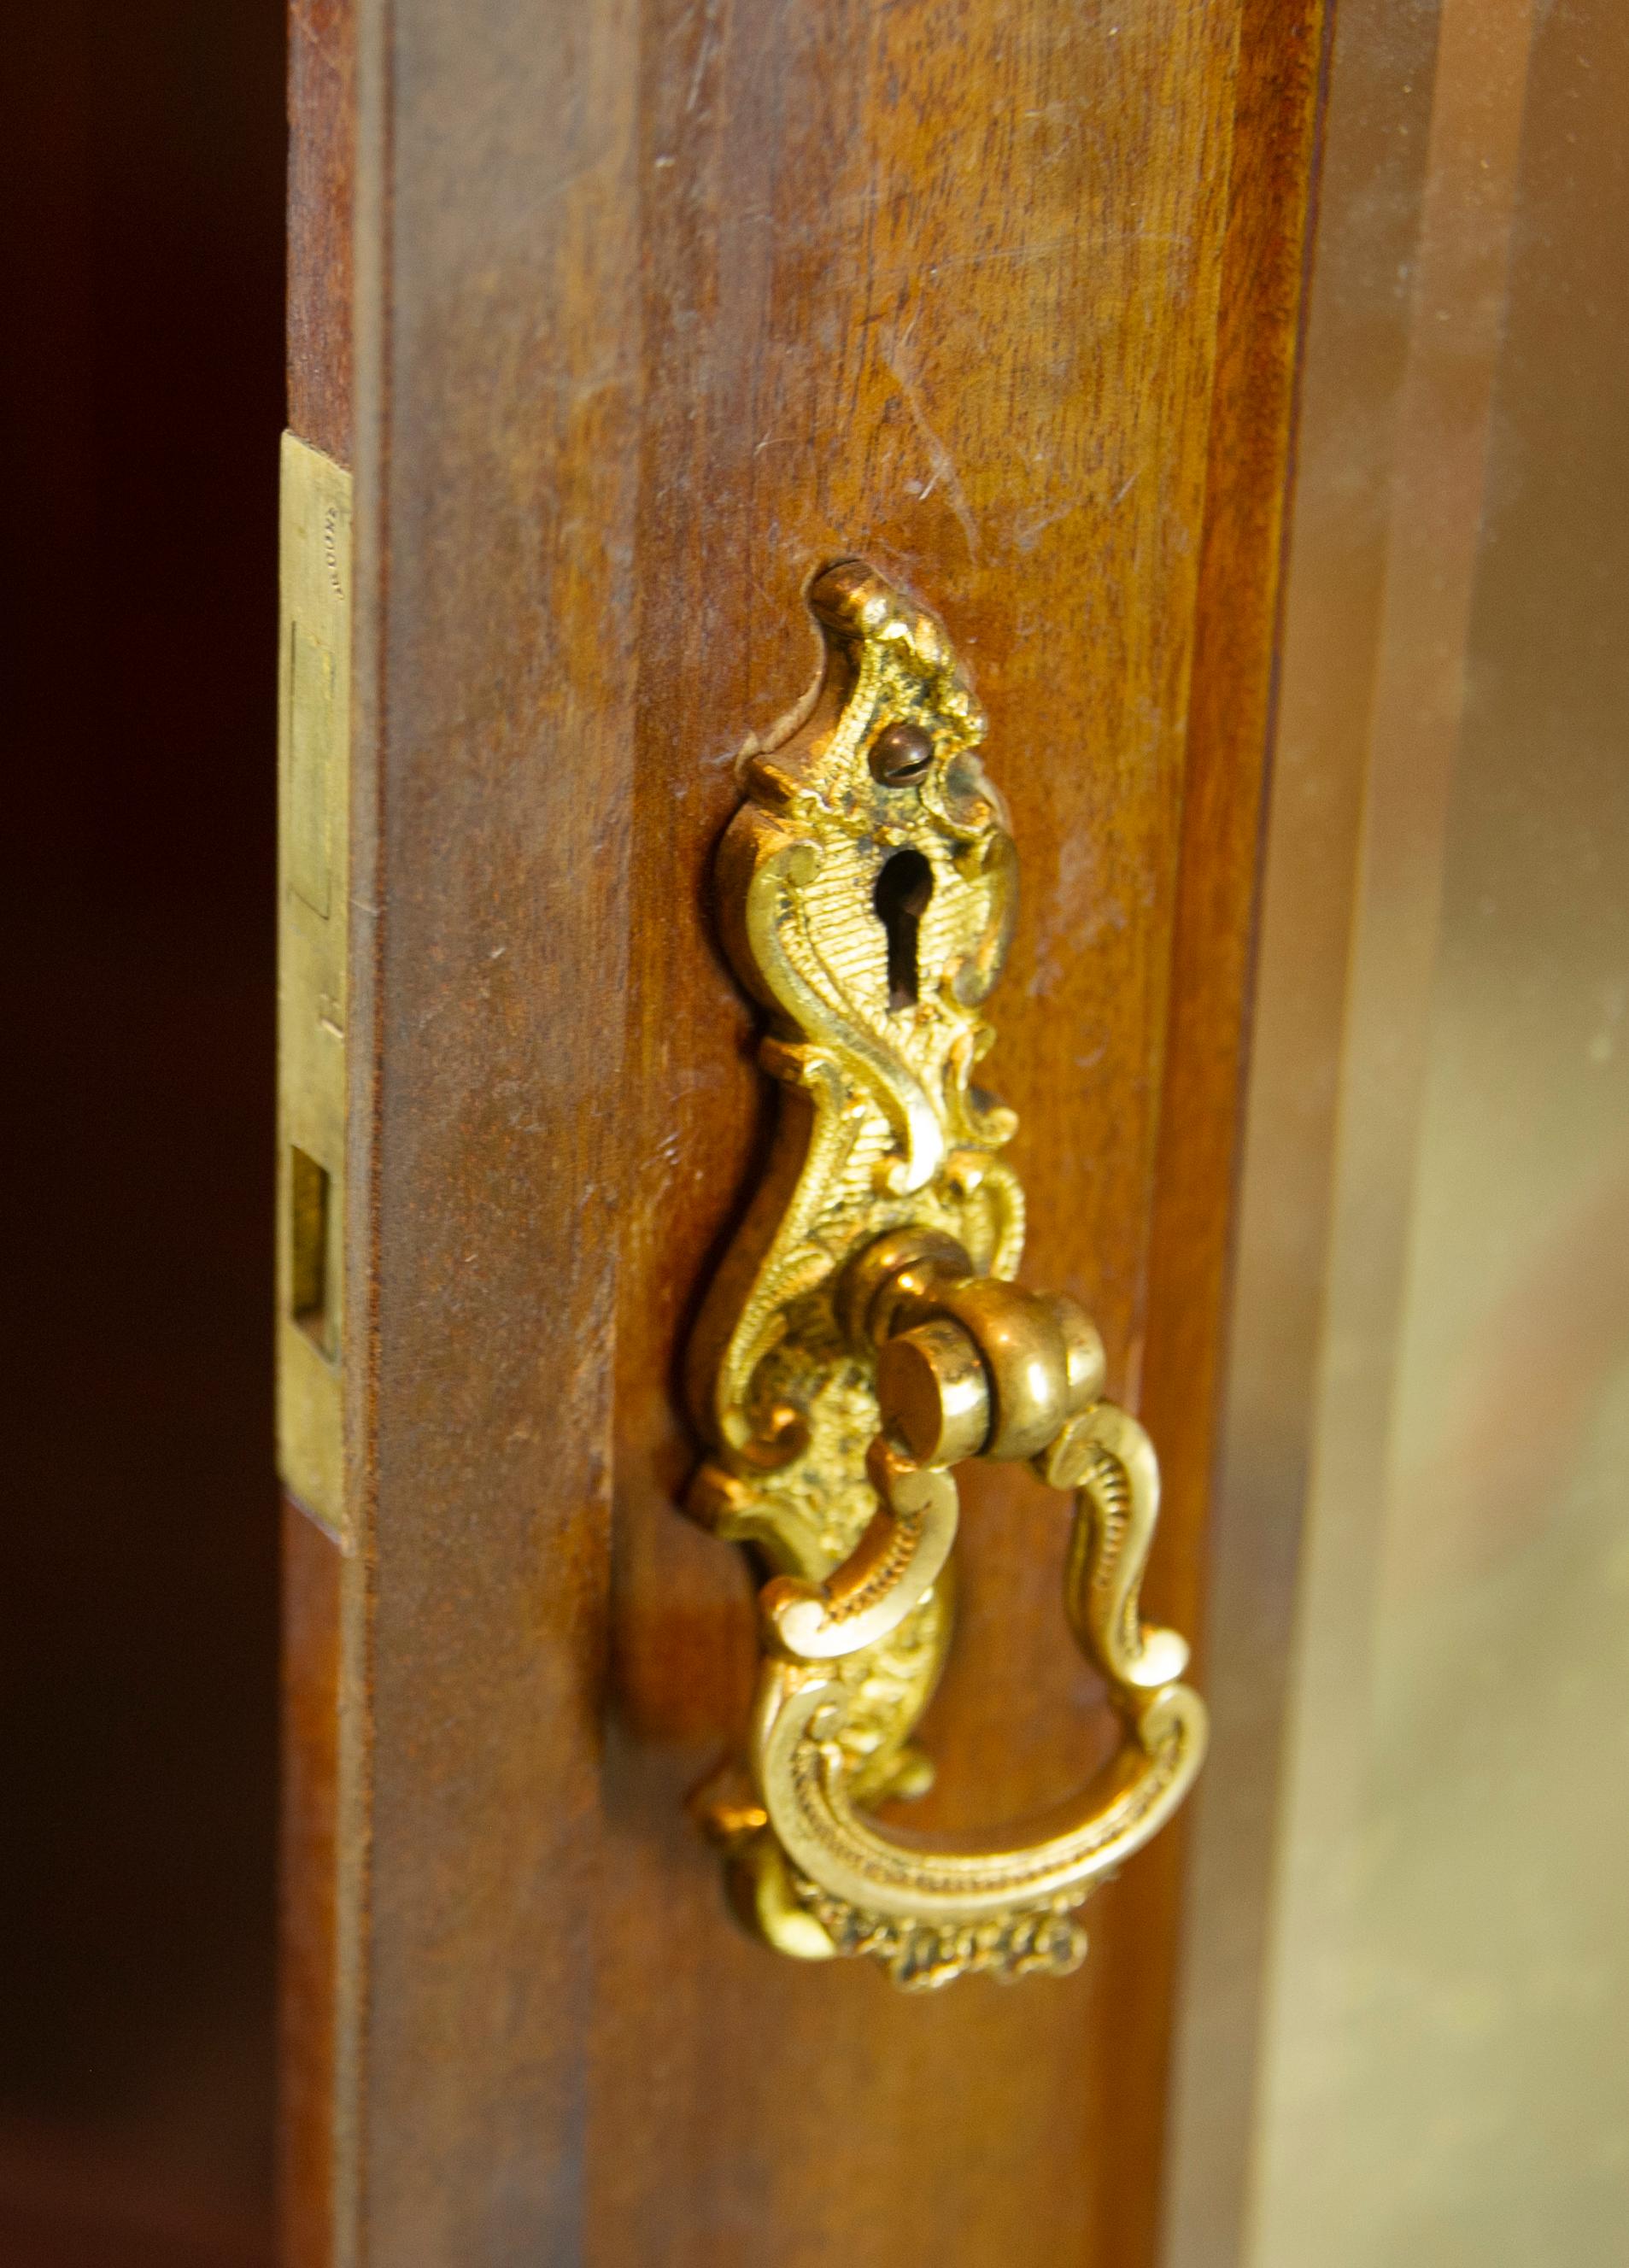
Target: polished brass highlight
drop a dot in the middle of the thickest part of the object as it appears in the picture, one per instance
(313, 829)
(864, 1337)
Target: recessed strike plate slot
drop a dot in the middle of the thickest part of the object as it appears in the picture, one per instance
(309, 1259)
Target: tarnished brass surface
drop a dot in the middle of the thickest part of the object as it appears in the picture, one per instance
(313, 790)
(863, 1335)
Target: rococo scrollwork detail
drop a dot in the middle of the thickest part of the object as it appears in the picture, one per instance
(865, 1336)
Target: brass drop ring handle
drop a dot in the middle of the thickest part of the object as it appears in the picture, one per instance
(865, 1337)
(965, 1367)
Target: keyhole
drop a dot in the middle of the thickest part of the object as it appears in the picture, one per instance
(901, 898)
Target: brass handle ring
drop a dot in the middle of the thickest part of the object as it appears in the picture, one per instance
(865, 1337)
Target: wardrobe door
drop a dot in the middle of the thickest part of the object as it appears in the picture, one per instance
(611, 329)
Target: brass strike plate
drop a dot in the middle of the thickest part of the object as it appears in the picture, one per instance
(313, 877)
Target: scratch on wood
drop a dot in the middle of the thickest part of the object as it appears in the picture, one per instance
(939, 456)
(705, 51)
(318, 40)
(1026, 537)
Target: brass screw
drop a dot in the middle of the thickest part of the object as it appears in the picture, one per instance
(901, 753)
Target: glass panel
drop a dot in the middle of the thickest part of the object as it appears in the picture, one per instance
(1407, 2032)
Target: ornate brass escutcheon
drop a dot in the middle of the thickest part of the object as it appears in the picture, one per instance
(864, 1337)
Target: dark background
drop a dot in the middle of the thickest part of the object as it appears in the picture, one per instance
(143, 315)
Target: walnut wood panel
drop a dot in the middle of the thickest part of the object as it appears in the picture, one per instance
(1282, 64)
(322, 135)
(658, 311)
(308, 1983)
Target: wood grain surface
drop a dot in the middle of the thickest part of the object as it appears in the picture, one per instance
(322, 145)
(308, 1980)
(659, 310)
